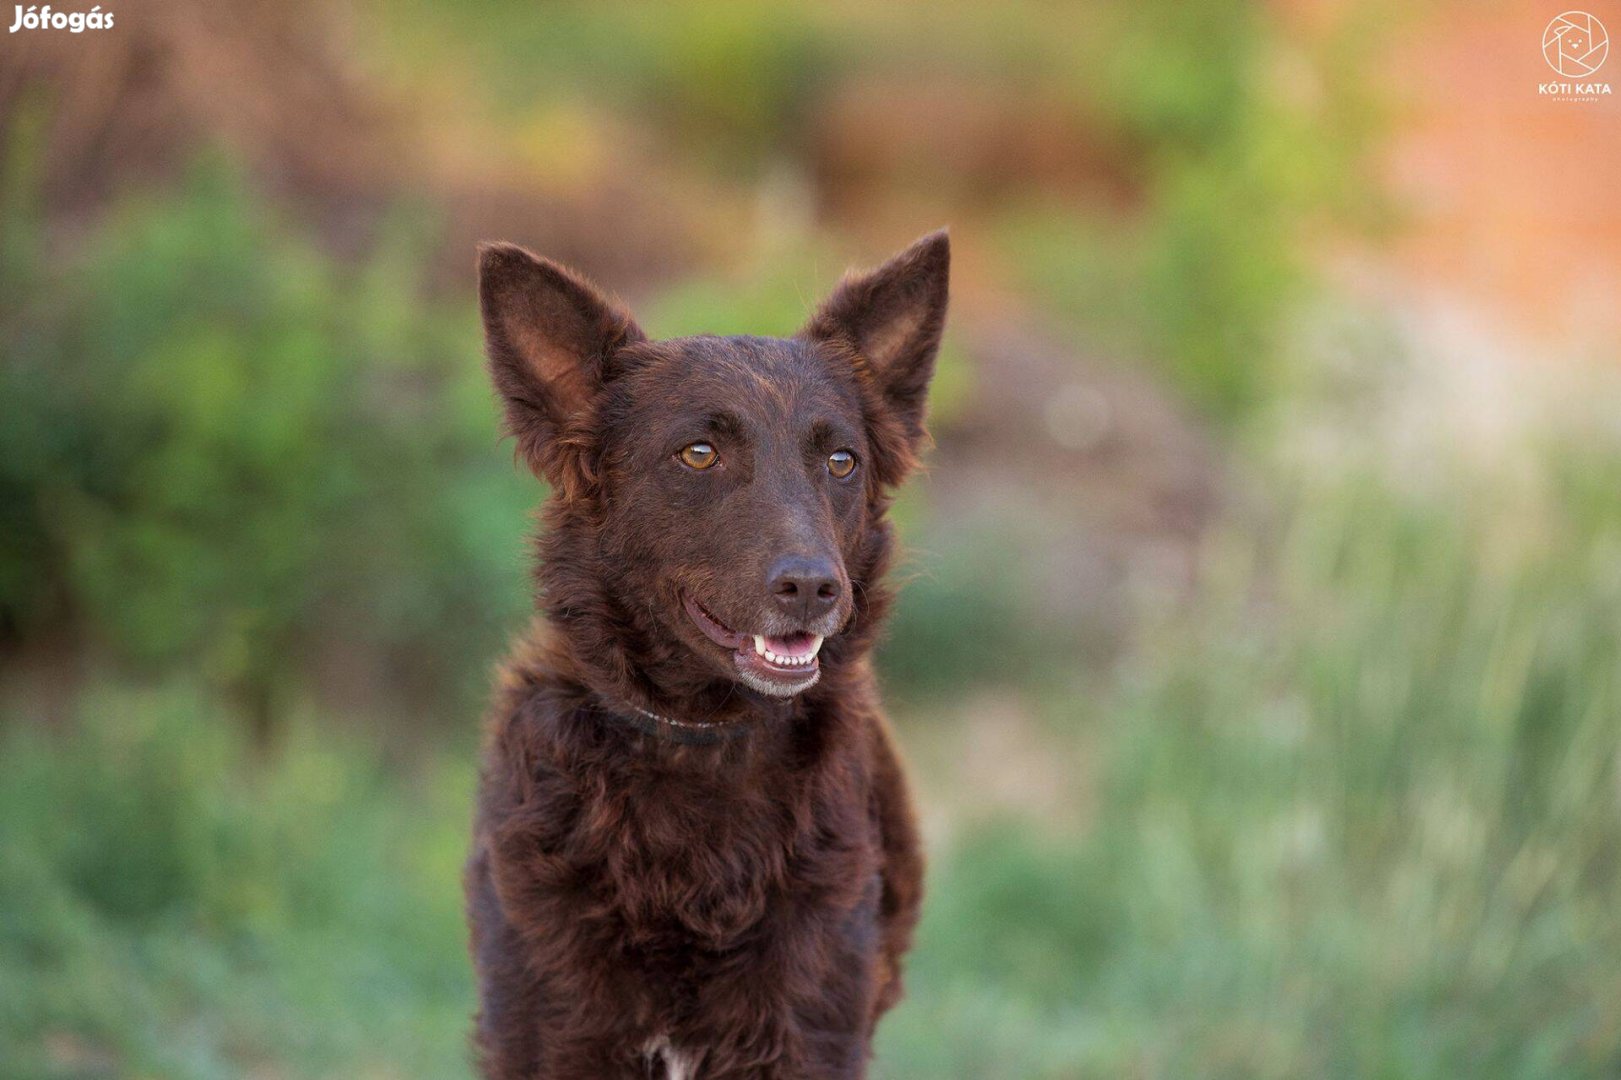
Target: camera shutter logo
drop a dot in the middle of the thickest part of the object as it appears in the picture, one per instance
(1575, 44)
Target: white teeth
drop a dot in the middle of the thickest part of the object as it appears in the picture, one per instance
(804, 660)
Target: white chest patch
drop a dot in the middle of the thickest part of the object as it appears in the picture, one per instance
(677, 1064)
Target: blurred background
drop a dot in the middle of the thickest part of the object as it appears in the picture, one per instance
(1260, 660)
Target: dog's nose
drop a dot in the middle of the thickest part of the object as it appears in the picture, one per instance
(804, 586)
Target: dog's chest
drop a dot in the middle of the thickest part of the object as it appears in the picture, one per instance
(664, 1060)
(698, 875)
(685, 860)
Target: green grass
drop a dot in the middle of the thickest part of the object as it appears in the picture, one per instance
(177, 906)
(1357, 816)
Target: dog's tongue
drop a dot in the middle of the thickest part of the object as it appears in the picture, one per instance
(793, 644)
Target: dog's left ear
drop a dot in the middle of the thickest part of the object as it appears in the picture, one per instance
(892, 318)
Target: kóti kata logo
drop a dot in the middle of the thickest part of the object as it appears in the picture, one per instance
(1575, 44)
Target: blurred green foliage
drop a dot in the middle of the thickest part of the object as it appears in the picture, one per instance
(223, 451)
(177, 906)
(1357, 817)
(1226, 141)
(1242, 148)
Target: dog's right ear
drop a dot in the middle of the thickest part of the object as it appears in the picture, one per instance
(550, 336)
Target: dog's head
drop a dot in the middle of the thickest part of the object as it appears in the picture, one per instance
(724, 495)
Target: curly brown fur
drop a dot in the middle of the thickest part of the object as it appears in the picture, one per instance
(688, 860)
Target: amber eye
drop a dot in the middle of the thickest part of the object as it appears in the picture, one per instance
(700, 455)
(841, 463)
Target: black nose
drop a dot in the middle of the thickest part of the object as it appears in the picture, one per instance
(804, 586)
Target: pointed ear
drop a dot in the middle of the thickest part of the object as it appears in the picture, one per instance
(550, 336)
(892, 318)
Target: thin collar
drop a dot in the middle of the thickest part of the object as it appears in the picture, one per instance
(684, 732)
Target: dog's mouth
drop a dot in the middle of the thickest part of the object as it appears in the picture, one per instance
(780, 665)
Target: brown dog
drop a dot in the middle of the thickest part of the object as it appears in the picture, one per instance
(694, 853)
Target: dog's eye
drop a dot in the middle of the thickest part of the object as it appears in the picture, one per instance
(700, 455)
(841, 463)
